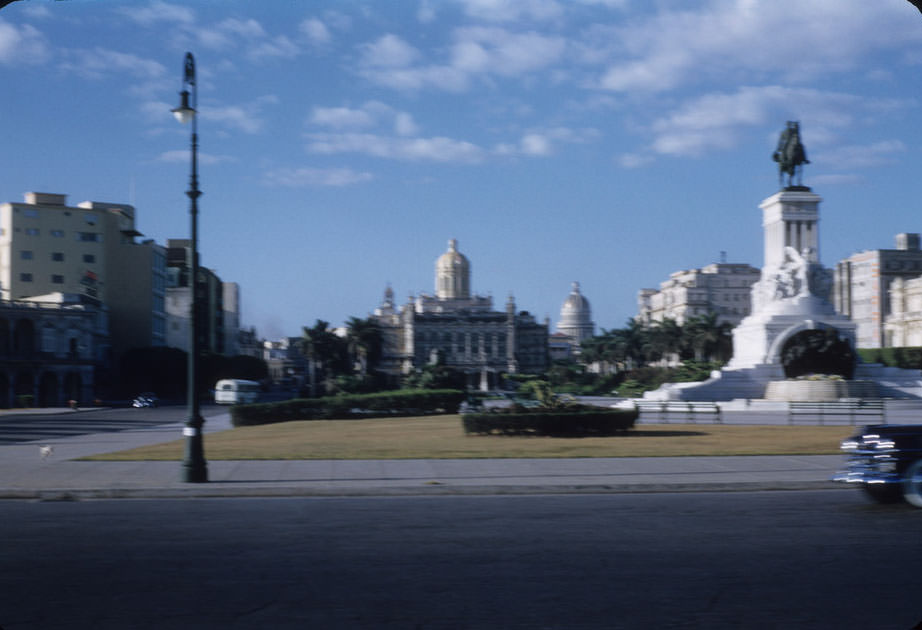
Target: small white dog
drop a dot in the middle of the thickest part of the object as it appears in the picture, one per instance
(46, 451)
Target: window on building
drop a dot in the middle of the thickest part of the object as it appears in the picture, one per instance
(56, 279)
(32, 213)
(32, 231)
(89, 237)
(57, 256)
(90, 219)
(25, 254)
(25, 277)
(89, 258)
(57, 233)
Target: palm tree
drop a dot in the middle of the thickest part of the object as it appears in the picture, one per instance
(323, 349)
(363, 339)
(710, 339)
(666, 340)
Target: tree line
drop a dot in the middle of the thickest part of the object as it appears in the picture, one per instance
(701, 338)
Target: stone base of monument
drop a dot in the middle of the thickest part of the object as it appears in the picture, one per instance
(726, 384)
(825, 390)
(871, 381)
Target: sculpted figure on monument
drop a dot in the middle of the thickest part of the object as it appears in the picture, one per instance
(791, 278)
(799, 275)
(790, 154)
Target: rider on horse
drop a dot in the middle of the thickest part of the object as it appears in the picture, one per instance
(790, 153)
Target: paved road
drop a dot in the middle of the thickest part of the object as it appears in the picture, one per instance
(791, 560)
(35, 425)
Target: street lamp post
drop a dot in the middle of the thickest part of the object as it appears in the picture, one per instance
(194, 468)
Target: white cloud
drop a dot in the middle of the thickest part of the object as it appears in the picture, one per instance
(342, 118)
(249, 36)
(474, 51)
(426, 12)
(371, 114)
(611, 4)
(157, 12)
(316, 31)
(100, 62)
(22, 45)
(861, 156)
(404, 125)
(156, 111)
(497, 50)
(634, 160)
(542, 142)
(716, 121)
(512, 10)
(246, 117)
(435, 149)
(280, 47)
(536, 144)
(310, 177)
(735, 38)
(389, 51)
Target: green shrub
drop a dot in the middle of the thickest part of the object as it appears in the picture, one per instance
(350, 406)
(909, 358)
(584, 422)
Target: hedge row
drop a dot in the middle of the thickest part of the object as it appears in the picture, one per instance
(909, 357)
(345, 407)
(551, 423)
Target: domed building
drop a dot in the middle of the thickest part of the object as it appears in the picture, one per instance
(459, 329)
(576, 317)
(452, 274)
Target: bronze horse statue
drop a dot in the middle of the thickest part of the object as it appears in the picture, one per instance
(790, 154)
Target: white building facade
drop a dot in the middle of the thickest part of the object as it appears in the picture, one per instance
(862, 289)
(722, 288)
(459, 329)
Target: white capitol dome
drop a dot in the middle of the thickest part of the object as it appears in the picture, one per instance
(576, 316)
(453, 274)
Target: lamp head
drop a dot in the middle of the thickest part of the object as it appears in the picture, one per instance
(184, 113)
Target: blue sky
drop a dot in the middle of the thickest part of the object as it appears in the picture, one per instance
(344, 143)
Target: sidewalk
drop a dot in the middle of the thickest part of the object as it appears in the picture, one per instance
(26, 474)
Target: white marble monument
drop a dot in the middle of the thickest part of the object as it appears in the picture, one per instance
(791, 296)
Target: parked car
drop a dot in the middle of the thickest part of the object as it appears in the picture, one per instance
(885, 460)
(147, 399)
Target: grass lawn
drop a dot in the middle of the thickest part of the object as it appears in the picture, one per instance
(441, 437)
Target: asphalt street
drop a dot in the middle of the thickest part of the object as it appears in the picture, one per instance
(51, 425)
(763, 560)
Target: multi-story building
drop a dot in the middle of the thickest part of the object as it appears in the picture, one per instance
(47, 246)
(903, 324)
(285, 360)
(459, 329)
(137, 296)
(722, 288)
(231, 302)
(50, 346)
(862, 282)
(213, 311)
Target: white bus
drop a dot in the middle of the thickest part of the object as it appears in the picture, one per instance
(231, 391)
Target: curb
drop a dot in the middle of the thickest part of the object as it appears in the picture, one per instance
(206, 491)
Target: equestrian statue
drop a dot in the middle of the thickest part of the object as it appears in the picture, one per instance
(790, 155)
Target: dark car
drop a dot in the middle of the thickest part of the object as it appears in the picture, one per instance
(885, 460)
(147, 399)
